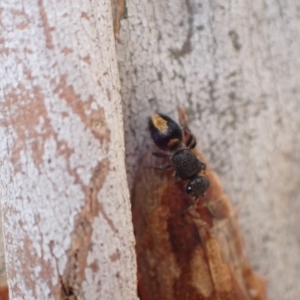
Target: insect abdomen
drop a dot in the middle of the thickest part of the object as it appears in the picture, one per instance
(166, 133)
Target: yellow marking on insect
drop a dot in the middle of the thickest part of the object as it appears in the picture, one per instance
(159, 123)
(173, 142)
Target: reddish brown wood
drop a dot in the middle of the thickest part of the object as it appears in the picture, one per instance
(195, 255)
(4, 292)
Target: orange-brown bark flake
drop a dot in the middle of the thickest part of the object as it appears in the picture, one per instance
(46, 26)
(195, 255)
(4, 292)
(118, 11)
(27, 107)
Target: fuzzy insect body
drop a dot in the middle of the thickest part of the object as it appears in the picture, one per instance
(178, 143)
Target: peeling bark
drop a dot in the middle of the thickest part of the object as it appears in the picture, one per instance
(118, 11)
(195, 255)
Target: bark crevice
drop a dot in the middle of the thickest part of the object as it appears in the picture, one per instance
(69, 286)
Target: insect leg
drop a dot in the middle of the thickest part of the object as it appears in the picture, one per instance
(161, 155)
(186, 208)
(191, 140)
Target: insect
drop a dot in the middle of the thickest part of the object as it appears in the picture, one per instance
(177, 143)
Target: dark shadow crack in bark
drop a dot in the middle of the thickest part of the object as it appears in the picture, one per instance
(235, 40)
(70, 281)
(187, 45)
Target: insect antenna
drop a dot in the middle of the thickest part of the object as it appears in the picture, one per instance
(186, 208)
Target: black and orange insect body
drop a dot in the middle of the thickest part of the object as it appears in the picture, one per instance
(166, 133)
(177, 144)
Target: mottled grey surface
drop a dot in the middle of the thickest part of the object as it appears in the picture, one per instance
(235, 67)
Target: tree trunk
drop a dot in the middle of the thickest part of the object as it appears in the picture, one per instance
(66, 211)
(234, 66)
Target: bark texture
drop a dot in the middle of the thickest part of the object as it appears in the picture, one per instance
(235, 67)
(66, 211)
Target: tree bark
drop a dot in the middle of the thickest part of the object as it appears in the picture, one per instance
(234, 66)
(66, 211)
